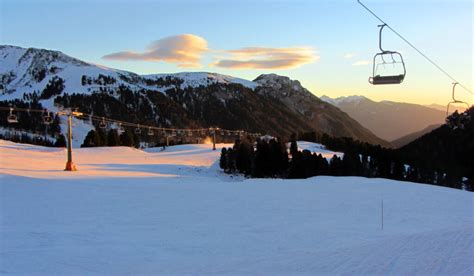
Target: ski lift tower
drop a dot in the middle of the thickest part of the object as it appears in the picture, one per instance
(69, 164)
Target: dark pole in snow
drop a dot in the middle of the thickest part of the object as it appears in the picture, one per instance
(69, 165)
(382, 213)
(214, 139)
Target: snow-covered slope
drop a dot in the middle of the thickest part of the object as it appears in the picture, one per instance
(29, 70)
(196, 79)
(128, 211)
(318, 148)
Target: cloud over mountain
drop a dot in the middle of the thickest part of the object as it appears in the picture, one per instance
(184, 50)
(267, 58)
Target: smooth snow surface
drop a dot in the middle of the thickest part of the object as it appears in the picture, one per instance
(172, 212)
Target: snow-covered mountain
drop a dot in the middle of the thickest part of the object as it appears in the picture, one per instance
(26, 70)
(386, 119)
(271, 104)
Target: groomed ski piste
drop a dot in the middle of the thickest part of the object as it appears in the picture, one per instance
(174, 212)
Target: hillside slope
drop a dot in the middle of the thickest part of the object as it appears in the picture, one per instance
(402, 141)
(447, 147)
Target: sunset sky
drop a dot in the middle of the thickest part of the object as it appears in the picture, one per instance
(327, 45)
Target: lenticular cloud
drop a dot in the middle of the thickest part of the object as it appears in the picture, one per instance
(185, 50)
(267, 58)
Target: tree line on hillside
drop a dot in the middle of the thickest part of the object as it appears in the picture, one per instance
(272, 159)
(24, 138)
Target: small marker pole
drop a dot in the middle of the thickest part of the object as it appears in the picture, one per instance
(214, 140)
(382, 213)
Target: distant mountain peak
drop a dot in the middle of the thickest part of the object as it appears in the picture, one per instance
(279, 82)
(344, 99)
(387, 119)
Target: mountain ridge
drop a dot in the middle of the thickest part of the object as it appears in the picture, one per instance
(184, 99)
(388, 119)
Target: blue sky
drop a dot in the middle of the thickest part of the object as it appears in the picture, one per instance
(89, 30)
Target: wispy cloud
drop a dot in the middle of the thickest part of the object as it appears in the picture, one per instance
(350, 55)
(267, 58)
(184, 50)
(361, 62)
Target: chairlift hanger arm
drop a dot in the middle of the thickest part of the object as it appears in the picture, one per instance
(454, 88)
(380, 38)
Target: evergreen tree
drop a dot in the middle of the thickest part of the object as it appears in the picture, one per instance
(336, 166)
(113, 138)
(60, 142)
(223, 159)
(243, 155)
(90, 140)
(293, 145)
(296, 166)
(127, 138)
(398, 172)
(351, 163)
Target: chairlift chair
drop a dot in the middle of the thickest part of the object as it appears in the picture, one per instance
(12, 118)
(150, 132)
(396, 59)
(120, 129)
(102, 123)
(138, 130)
(47, 119)
(456, 120)
(455, 101)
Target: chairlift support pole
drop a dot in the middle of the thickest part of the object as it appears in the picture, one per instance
(70, 166)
